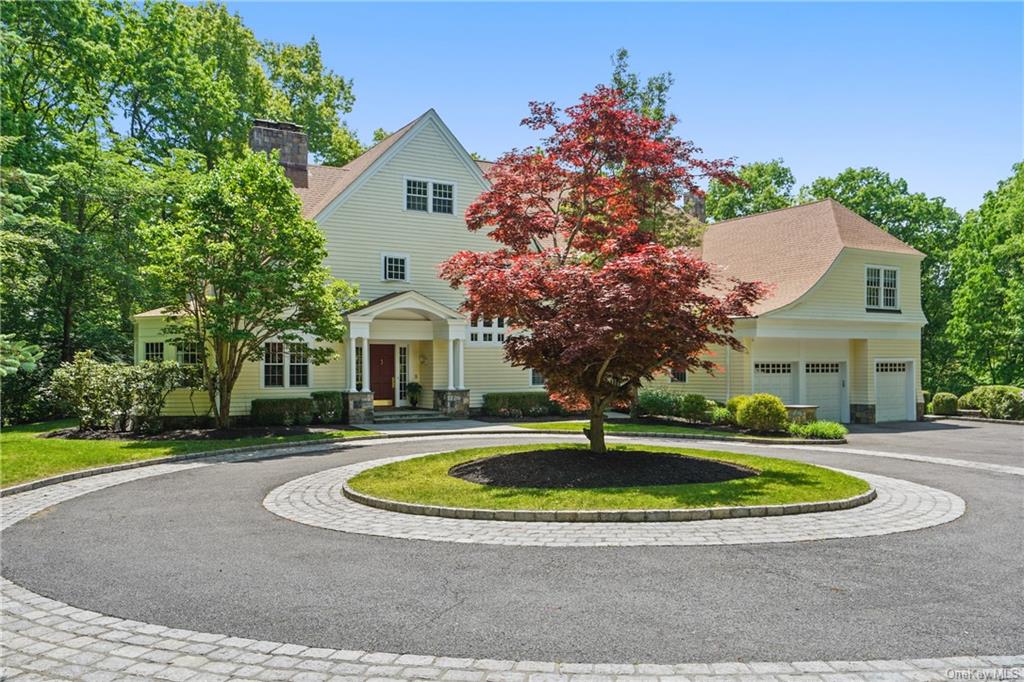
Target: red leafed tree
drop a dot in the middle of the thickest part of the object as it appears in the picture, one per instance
(595, 302)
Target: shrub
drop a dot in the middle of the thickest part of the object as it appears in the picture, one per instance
(823, 430)
(944, 403)
(653, 401)
(150, 383)
(721, 416)
(927, 396)
(328, 406)
(762, 412)
(928, 408)
(415, 391)
(733, 403)
(995, 402)
(518, 403)
(281, 411)
(694, 407)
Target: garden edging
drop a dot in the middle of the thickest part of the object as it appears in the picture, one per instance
(609, 515)
(318, 445)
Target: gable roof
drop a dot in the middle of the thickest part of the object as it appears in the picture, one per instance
(792, 248)
(327, 182)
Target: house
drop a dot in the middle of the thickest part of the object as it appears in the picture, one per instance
(841, 329)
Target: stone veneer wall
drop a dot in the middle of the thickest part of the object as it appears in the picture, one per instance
(862, 414)
(454, 403)
(358, 407)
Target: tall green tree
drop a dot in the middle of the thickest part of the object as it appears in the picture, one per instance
(242, 266)
(764, 186)
(987, 324)
(647, 97)
(927, 224)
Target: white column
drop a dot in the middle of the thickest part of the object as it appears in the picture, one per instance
(351, 342)
(462, 364)
(366, 364)
(451, 364)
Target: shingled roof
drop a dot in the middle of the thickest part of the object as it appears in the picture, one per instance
(792, 248)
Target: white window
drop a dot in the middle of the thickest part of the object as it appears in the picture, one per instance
(188, 353)
(678, 376)
(536, 378)
(416, 195)
(394, 267)
(359, 370)
(444, 197)
(403, 372)
(881, 288)
(154, 351)
(277, 357)
(298, 365)
(487, 331)
(429, 196)
(773, 367)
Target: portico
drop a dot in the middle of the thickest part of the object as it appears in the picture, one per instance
(402, 338)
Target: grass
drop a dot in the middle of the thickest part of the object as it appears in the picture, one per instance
(425, 480)
(612, 427)
(26, 456)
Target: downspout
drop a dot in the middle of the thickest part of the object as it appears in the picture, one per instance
(728, 372)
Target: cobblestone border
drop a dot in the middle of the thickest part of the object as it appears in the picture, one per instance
(317, 500)
(607, 515)
(46, 639)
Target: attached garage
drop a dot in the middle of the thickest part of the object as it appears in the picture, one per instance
(893, 391)
(824, 388)
(777, 378)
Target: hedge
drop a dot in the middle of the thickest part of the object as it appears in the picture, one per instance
(823, 430)
(694, 407)
(281, 411)
(328, 406)
(995, 402)
(519, 404)
(733, 403)
(944, 404)
(656, 402)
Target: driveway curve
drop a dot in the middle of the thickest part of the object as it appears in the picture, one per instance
(195, 549)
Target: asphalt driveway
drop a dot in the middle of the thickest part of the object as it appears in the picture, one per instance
(953, 438)
(196, 549)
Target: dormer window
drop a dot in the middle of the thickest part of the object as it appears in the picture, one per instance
(429, 196)
(881, 288)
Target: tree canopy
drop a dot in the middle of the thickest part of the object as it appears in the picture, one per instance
(595, 302)
(764, 186)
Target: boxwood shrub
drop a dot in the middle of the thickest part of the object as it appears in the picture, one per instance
(995, 402)
(693, 406)
(944, 404)
(657, 402)
(733, 403)
(721, 416)
(822, 430)
(328, 406)
(519, 404)
(281, 411)
(762, 412)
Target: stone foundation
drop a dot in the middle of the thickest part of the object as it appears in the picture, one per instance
(358, 407)
(862, 414)
(454, 403)
(802, 414)
(920, 412)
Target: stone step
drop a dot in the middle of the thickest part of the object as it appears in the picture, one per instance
(403, 416)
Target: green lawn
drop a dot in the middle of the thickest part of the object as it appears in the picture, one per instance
(577, 426)
(425, 480)
(24, 456)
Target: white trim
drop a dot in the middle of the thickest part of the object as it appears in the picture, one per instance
(384, 255)
(407, 299)
(383, 159)
(494, 330)
(430, 194)
(286, 364)
(881, 288)
(533, 375)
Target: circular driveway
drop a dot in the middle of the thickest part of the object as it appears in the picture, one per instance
(195, 549)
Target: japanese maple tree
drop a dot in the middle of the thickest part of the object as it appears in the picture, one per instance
(594, 301)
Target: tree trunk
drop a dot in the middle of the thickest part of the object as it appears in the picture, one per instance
(67, 352)
(596, 431)
(224, 408)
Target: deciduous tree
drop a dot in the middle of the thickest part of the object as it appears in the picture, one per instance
(596, 304)
(242, 266)
(765, 186)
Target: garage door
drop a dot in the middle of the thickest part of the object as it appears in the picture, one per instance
(891, 391)
(776, 378)
(824, 388)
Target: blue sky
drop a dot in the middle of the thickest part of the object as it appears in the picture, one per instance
(929, 92)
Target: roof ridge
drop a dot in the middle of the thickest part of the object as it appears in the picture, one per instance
(774, 210)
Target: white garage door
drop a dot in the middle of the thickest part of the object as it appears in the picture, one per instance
(776, 378)
(891, 391)
(824, 388)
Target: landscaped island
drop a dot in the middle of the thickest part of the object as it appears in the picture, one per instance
(564, 476)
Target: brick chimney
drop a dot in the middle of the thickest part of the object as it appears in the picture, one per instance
(265, 136)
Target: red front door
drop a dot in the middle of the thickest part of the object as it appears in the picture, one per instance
(382, 373)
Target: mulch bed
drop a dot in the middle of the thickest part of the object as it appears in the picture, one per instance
(194, 434)
(575, 468)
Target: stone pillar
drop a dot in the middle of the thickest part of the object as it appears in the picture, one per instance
(862, 413)
(358, 407)
(452, 402)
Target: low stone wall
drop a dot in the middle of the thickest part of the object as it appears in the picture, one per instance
(358, 407)
(611, 515)
(453, 403)
(862, 413)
